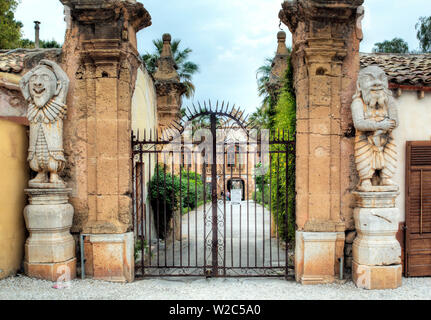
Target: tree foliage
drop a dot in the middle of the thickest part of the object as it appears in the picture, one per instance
(10, 29)
(396, 45)
(29, 44)
(186, 68)
(186, 191)
(423, 28)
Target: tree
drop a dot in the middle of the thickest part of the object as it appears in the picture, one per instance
(10, 29)
(186, 69)
(26, 43)
(423, 28)
(262, 76)
(396, 45)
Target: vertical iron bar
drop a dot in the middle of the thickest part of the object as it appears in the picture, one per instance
(196, 208)
(173, 210)
(181, 211)
(214, 196)
(141, 200)
(164, 209)
(263, 207)
(240, 211)
(224, 206)
(231, 216)
(270, 210)
(149, 213)
(278, 202)
(188, 213)
(204, 169)
(255, 208)
(248, 199)
(157, 208)
(287, 208)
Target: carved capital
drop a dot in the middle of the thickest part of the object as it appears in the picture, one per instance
(318, 10)
(108, 11)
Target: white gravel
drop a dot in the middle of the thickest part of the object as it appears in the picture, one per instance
(23, 288)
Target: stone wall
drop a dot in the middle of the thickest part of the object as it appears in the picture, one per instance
(13, 180)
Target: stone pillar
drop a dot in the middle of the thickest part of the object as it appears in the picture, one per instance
(325, 58)
(168, 87)
(100, 55)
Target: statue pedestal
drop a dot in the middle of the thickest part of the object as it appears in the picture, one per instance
(50, 249)
(376, 251)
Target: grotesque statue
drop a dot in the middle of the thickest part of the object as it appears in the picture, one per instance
(375, 116)
(45, 88)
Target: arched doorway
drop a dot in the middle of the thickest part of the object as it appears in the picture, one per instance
(236, 183)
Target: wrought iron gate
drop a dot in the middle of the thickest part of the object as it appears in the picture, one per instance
(190, 216)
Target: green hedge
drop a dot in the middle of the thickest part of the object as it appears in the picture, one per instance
(174, 192)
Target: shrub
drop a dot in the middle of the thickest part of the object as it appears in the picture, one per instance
(174, 192)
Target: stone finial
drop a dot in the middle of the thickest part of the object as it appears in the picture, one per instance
(279, 65)
(166, 66)
(282, 49)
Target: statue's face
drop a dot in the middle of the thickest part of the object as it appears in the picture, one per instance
(373, 84)
(42, 86)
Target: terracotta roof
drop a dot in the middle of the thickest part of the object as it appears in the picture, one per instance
(402, 69)
(19, 60)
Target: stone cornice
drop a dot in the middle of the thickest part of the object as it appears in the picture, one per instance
(324, 10)
(97, 11)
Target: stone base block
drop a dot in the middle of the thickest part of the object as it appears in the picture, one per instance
(316, 256)
(110, 257)
(376, 277)
(56, 272)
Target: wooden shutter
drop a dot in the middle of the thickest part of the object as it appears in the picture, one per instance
(418, 209)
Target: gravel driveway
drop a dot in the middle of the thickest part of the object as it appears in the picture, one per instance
(200, 289)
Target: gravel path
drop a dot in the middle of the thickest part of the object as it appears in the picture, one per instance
(200, 289)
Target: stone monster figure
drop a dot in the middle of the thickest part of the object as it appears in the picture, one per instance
(375, 117)
(45, 88)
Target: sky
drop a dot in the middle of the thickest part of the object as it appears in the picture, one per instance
(230, 39)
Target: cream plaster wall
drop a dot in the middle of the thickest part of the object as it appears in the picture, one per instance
(144, 118)
(13, 181)
(415, 125)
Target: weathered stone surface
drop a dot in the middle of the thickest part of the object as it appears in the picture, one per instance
(376, 243)
(50, 245)
(100, 54)
(56, 272)
(377, 278)
(375, 199)
(316, 256)
(325, 58)
(110, 257)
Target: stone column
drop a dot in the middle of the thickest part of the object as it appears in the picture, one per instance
(100, 55)
(168, 87)
(325, 58)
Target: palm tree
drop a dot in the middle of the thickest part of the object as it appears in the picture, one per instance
(262, 76)
(186, 69)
